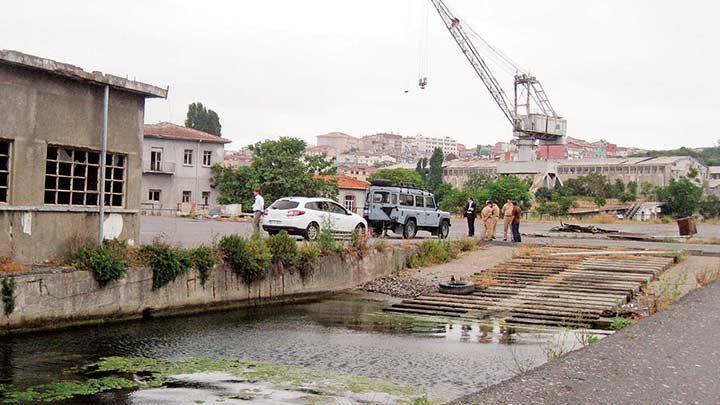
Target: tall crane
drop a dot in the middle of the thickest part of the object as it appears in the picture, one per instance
(532, 116)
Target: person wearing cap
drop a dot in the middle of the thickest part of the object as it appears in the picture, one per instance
(486, 217)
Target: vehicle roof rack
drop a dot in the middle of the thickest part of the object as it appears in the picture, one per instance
(390, 183)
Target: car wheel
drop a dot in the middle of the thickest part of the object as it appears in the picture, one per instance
(359, 229)
(444, 230)
(312, 231)
(410, 229)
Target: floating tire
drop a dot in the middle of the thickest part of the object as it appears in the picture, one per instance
(457, 288)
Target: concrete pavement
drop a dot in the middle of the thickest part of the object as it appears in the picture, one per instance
(670, 358)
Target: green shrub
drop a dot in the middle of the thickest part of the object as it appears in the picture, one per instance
(620, 322)
(203, 260)
(359, 243)
(326, 241)
(284, 249)
(466, 244)
(413, 261)
(8, 295)
(167, 263)
(105, 262)
(308, 256)
(250, 259)
(436, 251)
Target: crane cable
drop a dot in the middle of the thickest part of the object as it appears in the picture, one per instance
(424, 46)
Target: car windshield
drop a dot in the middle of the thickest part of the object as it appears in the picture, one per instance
(284, 205)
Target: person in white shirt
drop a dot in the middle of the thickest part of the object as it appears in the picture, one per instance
(258, 209)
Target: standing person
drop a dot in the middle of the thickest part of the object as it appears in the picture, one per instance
(507, 213)
(517, 213)
(495, 218)
(258, 208)
(470, 213)
(486, 217)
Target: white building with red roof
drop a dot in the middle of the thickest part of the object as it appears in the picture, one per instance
(177, 165)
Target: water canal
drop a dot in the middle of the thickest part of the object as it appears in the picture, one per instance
(339, 350)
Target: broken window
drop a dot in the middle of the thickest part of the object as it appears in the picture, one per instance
(72, 177)
(4, 171)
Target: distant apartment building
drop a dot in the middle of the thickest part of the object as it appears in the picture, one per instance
(714, 180)
(51, 156)
(365, 158)
(177, 166)
(391, 144)
(339, 141)
(357, 172)
(656, 171)
(422, 146)
(329, 151)
(504, 151)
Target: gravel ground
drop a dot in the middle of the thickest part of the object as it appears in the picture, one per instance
(402, 287)
(670, 358)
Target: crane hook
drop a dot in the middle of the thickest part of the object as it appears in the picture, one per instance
(422, 83)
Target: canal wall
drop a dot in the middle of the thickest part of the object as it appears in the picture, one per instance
(51, 297)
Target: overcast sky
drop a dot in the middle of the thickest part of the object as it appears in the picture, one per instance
(637, 73)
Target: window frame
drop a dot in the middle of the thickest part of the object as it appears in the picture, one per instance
(6, 172)
(158, 162)
(154, 191)
(189, 196)
(205, 197)
(65, 175)
(207, 154)
(188, 157)
(349, 198)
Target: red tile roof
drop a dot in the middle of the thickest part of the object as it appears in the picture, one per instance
(344, 182)
(169, 130)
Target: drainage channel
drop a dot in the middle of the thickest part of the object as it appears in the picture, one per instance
(550, 287)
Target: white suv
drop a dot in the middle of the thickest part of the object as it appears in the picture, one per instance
(305, 217)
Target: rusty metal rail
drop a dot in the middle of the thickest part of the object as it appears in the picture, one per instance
(539, 288)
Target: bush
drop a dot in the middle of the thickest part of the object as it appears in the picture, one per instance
(283, 248)
(308, 256)
(203, 260)
(466, 244)
(326, 241)
(432, 252)
(104, 261)
(359, 243)
(8, 295)
(167, 263)
(250, 259)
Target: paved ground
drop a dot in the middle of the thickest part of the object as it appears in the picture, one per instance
(191, 232)
(670, 358)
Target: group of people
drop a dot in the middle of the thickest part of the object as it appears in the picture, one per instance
(490, 215)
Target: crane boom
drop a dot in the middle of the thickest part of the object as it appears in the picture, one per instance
(527, 125)
(478, 63)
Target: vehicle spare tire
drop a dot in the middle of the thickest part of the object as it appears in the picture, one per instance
(457, 288)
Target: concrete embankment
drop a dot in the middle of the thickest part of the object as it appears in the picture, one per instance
(51, 297)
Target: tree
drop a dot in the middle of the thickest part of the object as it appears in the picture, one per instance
(681, 197)
(434, 178)
(600, 201)
(280, 168)
(710, 207)
(505, 187)
(421, 167)
(477, 181)
(202, 119)
(543, 194)
(398, 175)
(618, 189)
(442, 191)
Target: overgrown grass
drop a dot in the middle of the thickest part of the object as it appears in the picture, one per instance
(167, 262)
(707, 275)
(308, 256)
(620, 322)
(249, 258)
(203, 260)
(283, 249)
(327, 243)
(106, 262)
(8, 295)
(432, 252)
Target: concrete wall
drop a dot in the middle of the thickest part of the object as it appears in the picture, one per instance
(38, 109)
(194, 178)
(52, 297)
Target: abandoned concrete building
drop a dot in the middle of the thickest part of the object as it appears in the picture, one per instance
(656, 171)
(177, 167)
(51, 142)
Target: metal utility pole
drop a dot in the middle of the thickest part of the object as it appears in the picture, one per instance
(103, 155)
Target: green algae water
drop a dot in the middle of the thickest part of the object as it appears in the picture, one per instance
(340, 350)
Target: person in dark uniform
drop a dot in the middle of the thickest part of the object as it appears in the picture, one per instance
(470, 213)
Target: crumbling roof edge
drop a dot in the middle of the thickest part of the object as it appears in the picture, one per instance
(76, 73)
